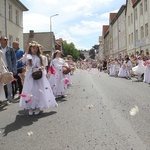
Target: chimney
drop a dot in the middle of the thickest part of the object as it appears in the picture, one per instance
(31, 34)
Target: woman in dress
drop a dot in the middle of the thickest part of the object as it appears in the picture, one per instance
(36, 94)
(57, 78)
(140, 68)
(2, 70)
(147, 72)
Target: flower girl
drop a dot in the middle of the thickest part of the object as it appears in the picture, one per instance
(36, 94)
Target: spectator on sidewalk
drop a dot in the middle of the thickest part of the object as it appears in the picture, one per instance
(10, 61)
(19, 54)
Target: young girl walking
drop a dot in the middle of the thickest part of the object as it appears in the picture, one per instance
(36, 94)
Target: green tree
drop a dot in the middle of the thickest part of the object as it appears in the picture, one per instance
(69, 49)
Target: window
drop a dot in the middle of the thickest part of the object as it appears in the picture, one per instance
(141, 9)
(10, 12)
(17, 39)
(146, 29)
(129, 39)
(128, 20)
(0, 33)
(136, 35)
(136, 15)
(142, 32)
(17, 17)
(131, 18)
(10, 40)
(145, 5)
(132, 38)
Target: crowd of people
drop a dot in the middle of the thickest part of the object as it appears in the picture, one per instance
(130, 66)
(38, 79)
(126, 67)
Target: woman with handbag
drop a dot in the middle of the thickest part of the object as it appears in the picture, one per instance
(37, 93)
(57, 78)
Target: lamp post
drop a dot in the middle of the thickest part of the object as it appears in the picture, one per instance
(51, 21)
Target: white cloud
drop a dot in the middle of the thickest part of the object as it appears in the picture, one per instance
(86, 27)
(76, 18)
(66, 36)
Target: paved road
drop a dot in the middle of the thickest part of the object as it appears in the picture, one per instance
(94, 116)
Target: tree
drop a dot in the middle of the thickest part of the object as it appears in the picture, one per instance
(69, 49)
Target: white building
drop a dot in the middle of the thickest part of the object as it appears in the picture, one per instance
(118, 25)
(138, 23)
(11, 20)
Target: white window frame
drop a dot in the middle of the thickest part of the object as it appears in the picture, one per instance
(17, 16)
(146, 29)
(10, 11)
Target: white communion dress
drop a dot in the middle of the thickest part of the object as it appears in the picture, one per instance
(140, 68)
(56, 80)
(36, 93)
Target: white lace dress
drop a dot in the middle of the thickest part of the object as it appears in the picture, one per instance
(57, 80)
(38, 93)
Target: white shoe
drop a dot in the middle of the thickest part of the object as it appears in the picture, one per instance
(37, 111)
(30, 112)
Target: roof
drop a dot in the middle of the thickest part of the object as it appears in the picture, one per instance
(42, 38)
(112, 16)
(122, 8)
(105, 28)
(21, 5)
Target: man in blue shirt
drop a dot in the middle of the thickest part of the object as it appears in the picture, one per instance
(19, 54)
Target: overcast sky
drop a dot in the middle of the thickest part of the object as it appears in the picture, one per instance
(79, 21)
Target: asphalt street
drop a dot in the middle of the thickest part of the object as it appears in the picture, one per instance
(94, 116)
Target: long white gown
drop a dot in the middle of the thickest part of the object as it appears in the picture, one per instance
(140, 68)
(123, 70)
(57, 80)
(112, 69)
(2, 70)
(38, 93)
(147, 73)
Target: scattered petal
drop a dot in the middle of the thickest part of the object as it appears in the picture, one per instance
(41, 91)
(134, 111)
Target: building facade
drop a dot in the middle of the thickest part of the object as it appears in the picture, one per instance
(11, 20)
(46, 39)
(138, 26)
(129, 31)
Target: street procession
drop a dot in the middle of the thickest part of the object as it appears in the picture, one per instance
(64, 89)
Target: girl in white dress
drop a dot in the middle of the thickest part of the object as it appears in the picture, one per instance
(111, 67)
(36, 94)
(2, 70)
(140, 68)
(123, 70)
(57, 79)
(117, 66)
(147, 72)
(129, 67)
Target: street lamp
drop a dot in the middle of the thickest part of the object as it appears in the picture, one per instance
(51, 21)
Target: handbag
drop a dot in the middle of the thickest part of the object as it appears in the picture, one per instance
(7, 76)
(37, 74)
(66, 70)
